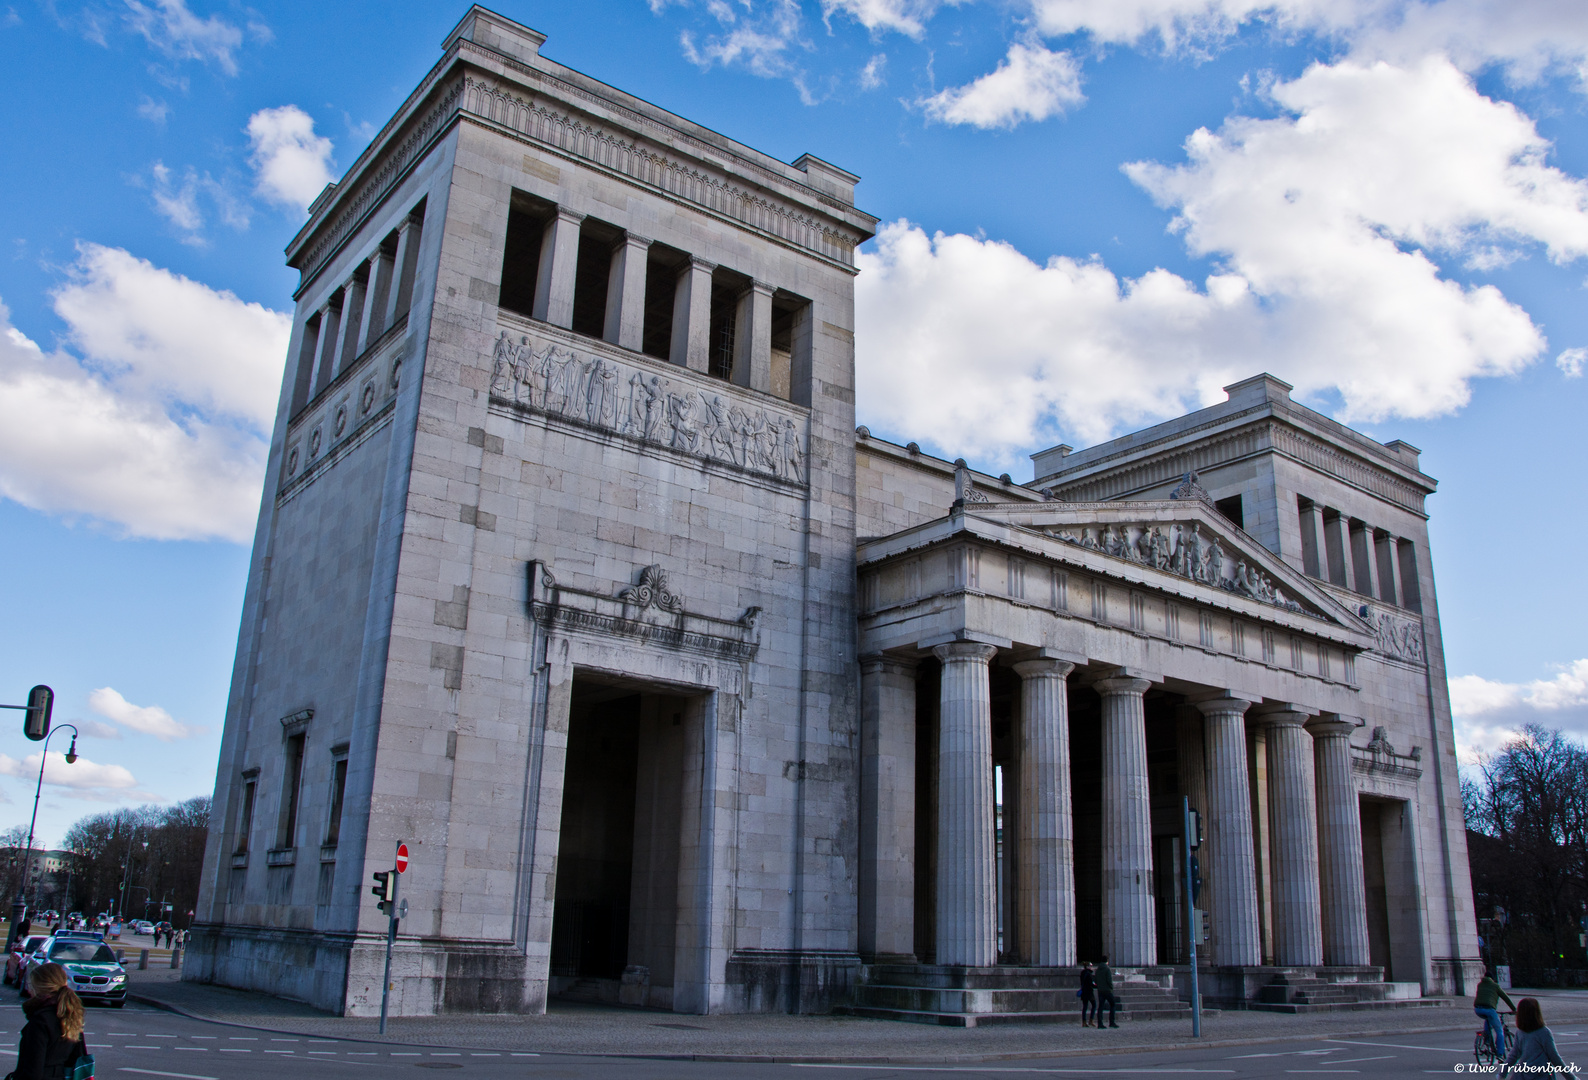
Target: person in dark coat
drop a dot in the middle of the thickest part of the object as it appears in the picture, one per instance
(52, 1037)
(1105, 995)
(1535, 1045)
(1088, 994)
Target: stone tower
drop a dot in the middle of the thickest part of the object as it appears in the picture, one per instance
(554, 572)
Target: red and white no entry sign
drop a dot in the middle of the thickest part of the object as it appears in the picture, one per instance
(402, 857)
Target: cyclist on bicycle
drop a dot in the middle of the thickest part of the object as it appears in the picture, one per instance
(1489, 994)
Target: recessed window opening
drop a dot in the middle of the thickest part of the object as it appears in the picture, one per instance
(526, 227)
(1231, 509)
(292, 786)
(306, 349)
(592, 276)
(245, 819)
(786, 309)
(726, 289)
(662, 267)
(333, 830)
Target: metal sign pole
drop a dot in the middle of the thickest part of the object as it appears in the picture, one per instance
(1191, 919)
(391, 938)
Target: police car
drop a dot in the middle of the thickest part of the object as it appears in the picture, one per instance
(96, 973)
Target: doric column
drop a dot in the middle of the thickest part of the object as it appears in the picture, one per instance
(625, 319)
(1389, 585)
(1229, 863)
(405, 262)
(1363, 559)
(691, 346)
(1311, 560)
(352, 323)
(369, 328)
(1129, 920)
(967, 916)
(559, 261)
(1046, 863)
(887, 809)
(1339, 844)
(752, 344)
(1293, 821)
(1337, 546)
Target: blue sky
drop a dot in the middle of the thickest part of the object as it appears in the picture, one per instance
(1128, 202)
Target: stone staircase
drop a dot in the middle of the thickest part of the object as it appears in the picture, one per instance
(1303, 991)
(974, 997)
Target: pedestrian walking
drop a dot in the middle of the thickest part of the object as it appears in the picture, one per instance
(52, 1037)
(1535, 1046)
(1088, 994)
(1105, 995)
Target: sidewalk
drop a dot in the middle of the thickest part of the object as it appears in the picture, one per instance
(607, 1031)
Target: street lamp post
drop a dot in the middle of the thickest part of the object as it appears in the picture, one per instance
(19, 906)
(126, 876)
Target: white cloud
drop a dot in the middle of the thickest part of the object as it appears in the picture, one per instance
(98, 729)
(82, 775)
(159, 428)
(171, 28)
(1328, 224)
(1490, 713)
(1031, 83)
(908, 17)
(871, 76)
(145, 719)
(291, 163)
(154, 111)
(1571, 361)
(756, 39)
(177, 203)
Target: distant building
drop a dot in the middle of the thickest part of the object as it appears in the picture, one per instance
(574, 573)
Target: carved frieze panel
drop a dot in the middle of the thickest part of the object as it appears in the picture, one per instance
(672, 410)
(1396, 635)
(1186, 551)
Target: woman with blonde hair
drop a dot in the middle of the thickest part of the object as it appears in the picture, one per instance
(52, 1038)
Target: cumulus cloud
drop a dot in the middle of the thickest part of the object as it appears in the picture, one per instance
(145, 719)
(1490, 713)
(756, 38)
(908, 17)
(175, 31)
(1031, 83)
(82, 776)
(155, 420)
(291, 163)
(1328, 224)
(1570, 362)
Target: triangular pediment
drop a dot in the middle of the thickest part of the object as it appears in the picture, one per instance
(1180, 542)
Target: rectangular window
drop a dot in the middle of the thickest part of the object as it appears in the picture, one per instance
(333, 831)
(1411, 588)
(592, 276)
(305, 376)
(526, 226)
(662, 267)
(245, 819)
(724, 320)
(1231, 509)
(292, 786)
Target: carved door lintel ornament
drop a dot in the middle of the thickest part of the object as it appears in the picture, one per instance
(651, 591)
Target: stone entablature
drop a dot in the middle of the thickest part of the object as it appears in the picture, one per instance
(650, 148)
(970, 560)
(539, 371)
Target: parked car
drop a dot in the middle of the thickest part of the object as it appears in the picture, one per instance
(143, 926)
(96, 973)
(16, 959)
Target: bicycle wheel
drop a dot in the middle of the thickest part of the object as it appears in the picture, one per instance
(1483, 1049)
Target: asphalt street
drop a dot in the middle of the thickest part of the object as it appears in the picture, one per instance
(140, 1041)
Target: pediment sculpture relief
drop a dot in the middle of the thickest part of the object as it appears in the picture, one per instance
(1395, 636)
(601, 392)
(1184, 550)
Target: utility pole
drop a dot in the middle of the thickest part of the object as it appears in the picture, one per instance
(1191, 829)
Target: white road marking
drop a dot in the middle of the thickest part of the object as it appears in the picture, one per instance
(1344, 1061)
(1464, 1051)
(157, 1072)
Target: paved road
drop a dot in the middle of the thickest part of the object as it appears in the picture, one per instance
(139, 1041)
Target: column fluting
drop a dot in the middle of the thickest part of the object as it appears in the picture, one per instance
(1230, 864)
(1293, 820)
(1046, 864)
(967, 907)
(1129, 918)
(1345, 941)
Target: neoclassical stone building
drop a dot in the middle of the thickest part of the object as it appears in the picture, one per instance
(574, 573)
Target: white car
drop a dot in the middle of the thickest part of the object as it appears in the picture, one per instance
(143, 926)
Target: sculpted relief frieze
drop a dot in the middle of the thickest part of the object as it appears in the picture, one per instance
(1395, 635)
(1183, 550)
(557, 380)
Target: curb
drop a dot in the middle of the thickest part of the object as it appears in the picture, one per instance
(829, 1059)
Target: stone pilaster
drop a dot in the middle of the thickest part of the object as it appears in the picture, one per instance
(559, 259)
(967, 918)
(1129, 920)
(887, 809)
(691, 346)
(1293, 819)
(1339, 844)
(1046, 863)
(1230, 863)
(625, 314)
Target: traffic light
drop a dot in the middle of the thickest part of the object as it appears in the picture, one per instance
(1194, 840)
(36, 721)
(385, 888)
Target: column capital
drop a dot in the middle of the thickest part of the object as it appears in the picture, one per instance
(1121, 684)
(1333, 725)
(1223, 703)
(1030, 669)
(973, 651)
(877, 663)
(636, 240)
(695, 262)
(572, 217)
(758, 286)
(1281, 714)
